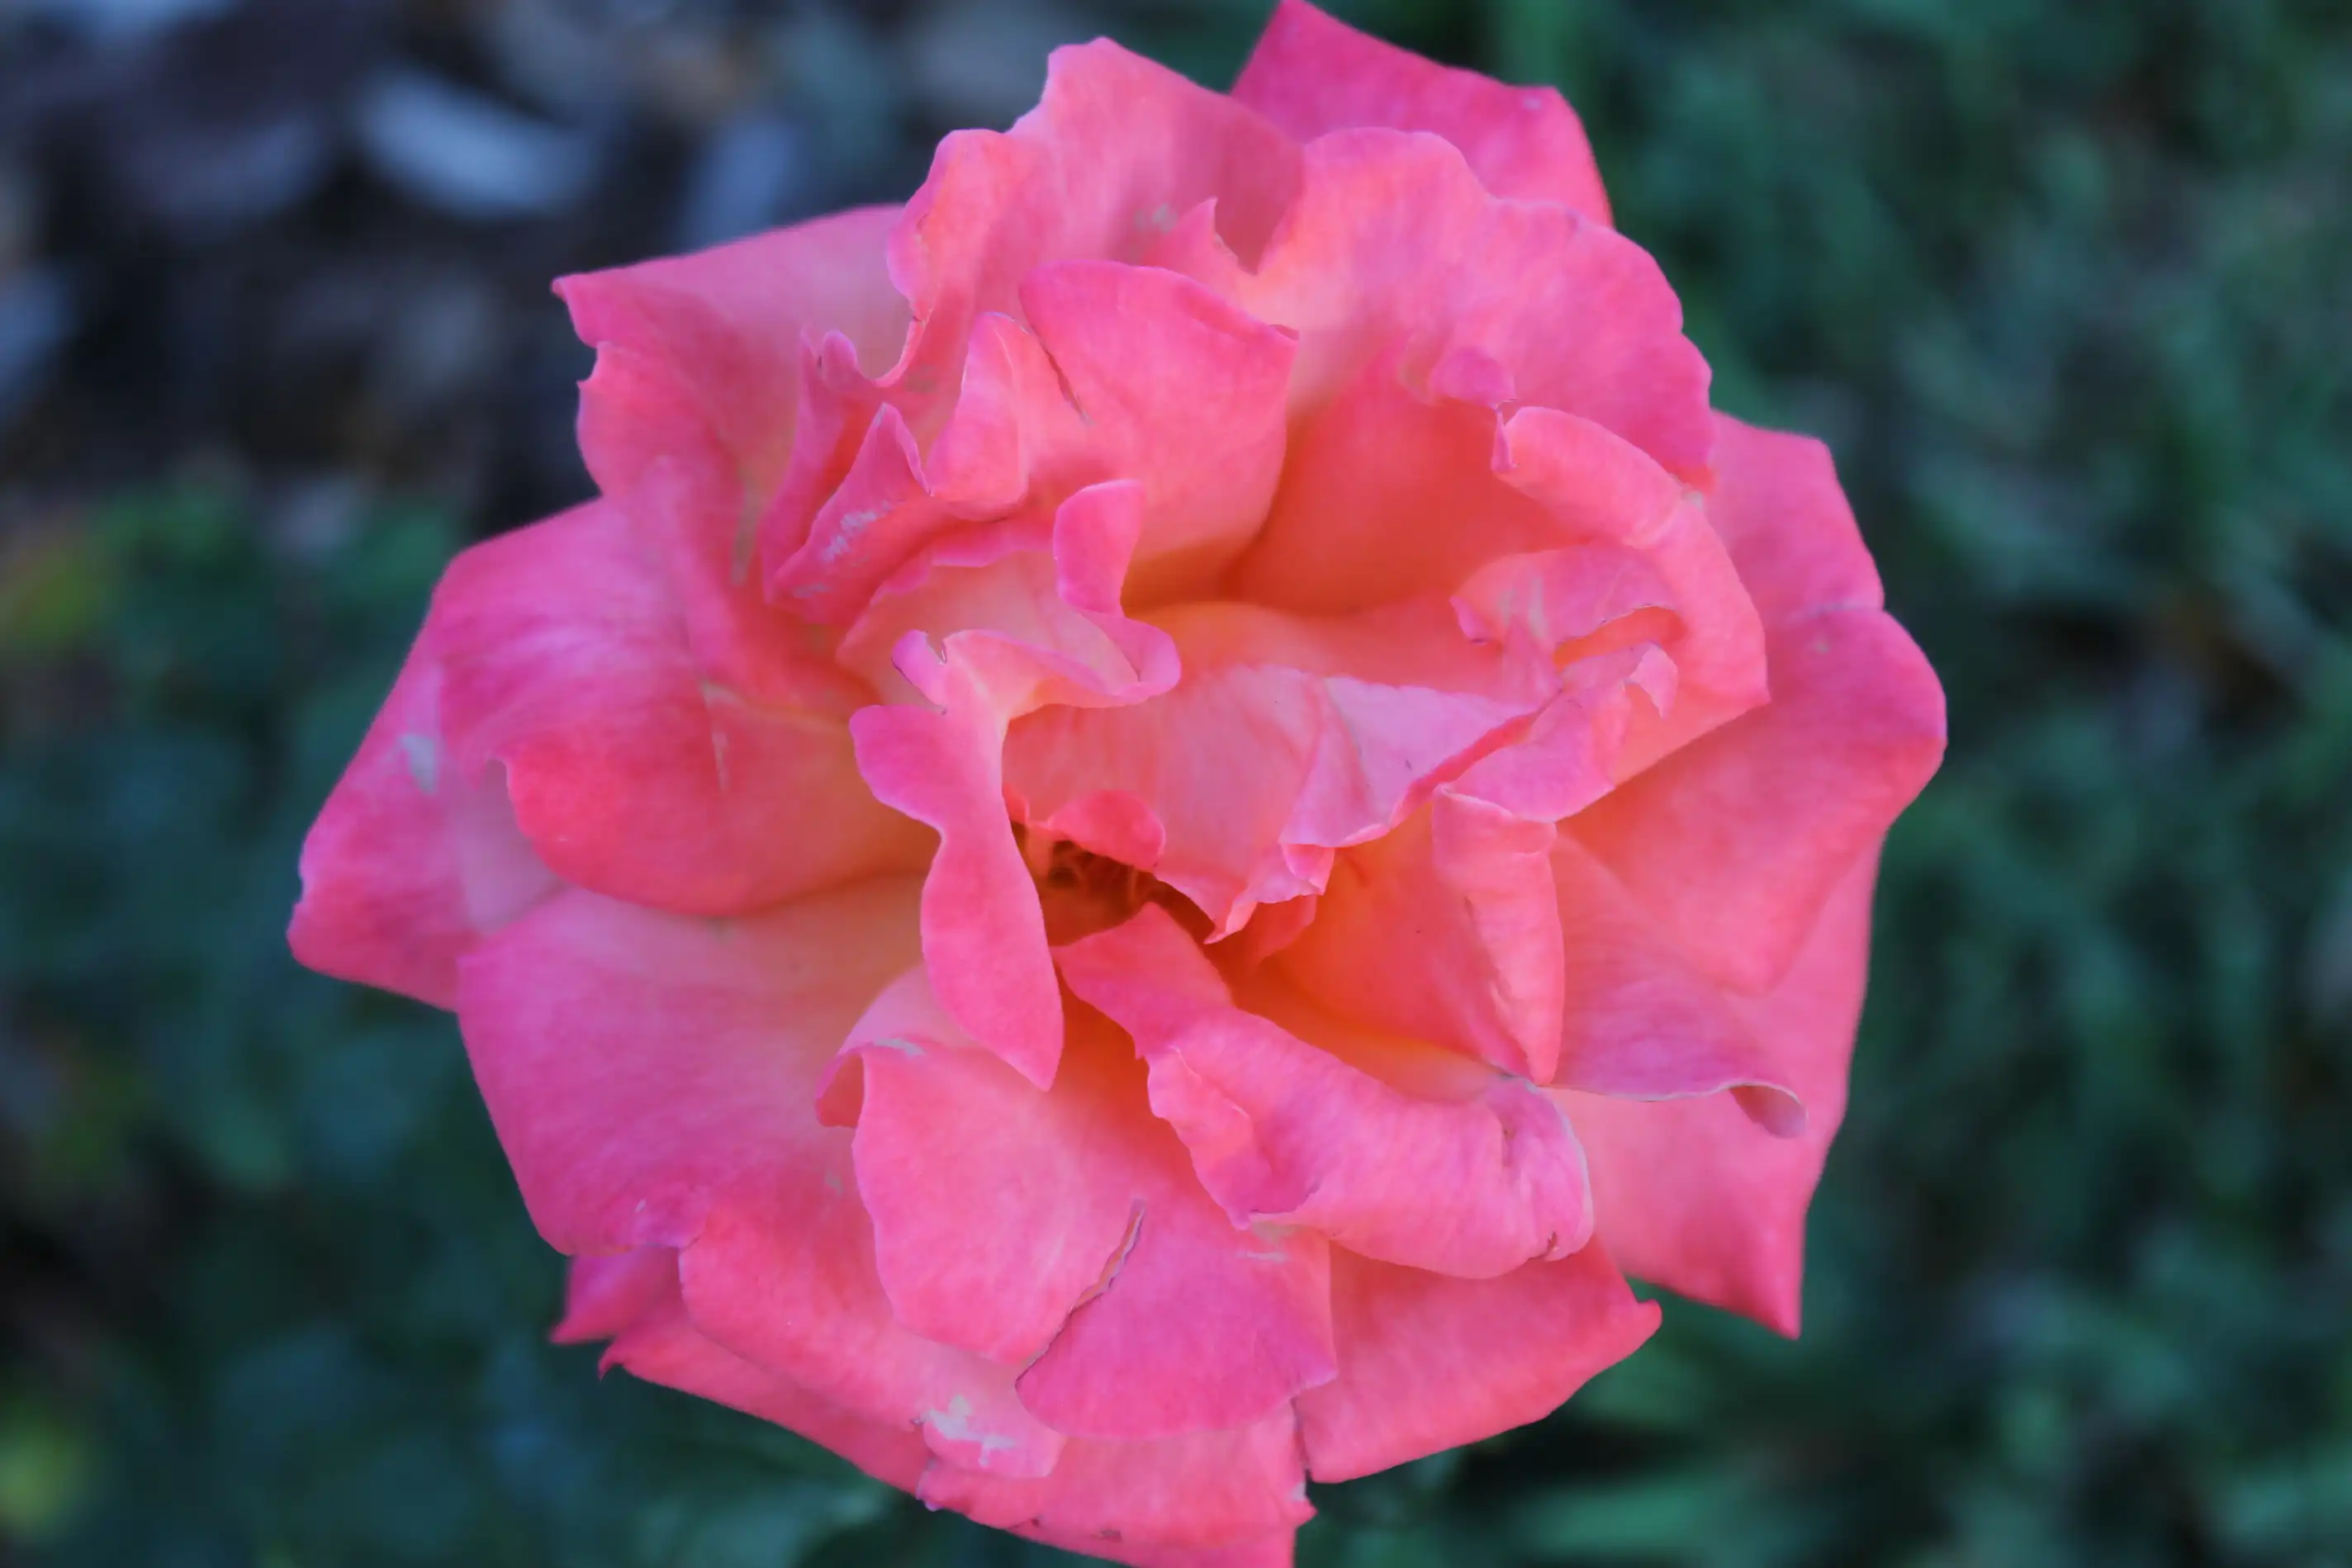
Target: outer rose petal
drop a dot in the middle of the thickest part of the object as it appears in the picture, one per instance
(1202, 1490)
(1693, 1195)
(652, 1080)
(1393, 243)
(663, 1346)
(1311, 74)
(1778, 507)
(607, 1291)
(1282, 1133)
(410, 861)
(632, 773)
(994, 1212)
(1199, 1326)
(1427, 1362)
(690, 413)
(1734, 840)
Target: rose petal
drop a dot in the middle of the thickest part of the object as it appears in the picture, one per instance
(690, 415)
(663, 1346)
(1122, 372)
(1282, 1133)
(1257, 773)
(1778, 509)
(562, 657)
(605, 1292)
(1199, 1325)
(1393, 245)
(1733, 841)
(1427, 1361)
(992, 1210)
(1696, 1197)
(1312, 74)
(652, 1080)
(411, 861)
(1196, 1492)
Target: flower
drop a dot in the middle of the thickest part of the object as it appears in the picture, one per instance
(1172, 800)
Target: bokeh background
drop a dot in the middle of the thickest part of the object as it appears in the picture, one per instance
(2066, 283)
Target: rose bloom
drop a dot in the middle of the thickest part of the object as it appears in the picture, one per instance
(1177, 801)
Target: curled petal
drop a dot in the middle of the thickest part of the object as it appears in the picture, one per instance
(692, 409)
(1734, 841)
(1282, 1133)
(1333, 762)
(1427, 1361)
(991, 1215)
(1197, 1325)
(1311, 74)
(1693, 1195)
(983, 933)
(1392, 244)
(1121, 372)
(604, 1292)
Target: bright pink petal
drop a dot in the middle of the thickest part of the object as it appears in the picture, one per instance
(1641, 1022)
(1199, 1325)
(411, 861)
(983, 933)
(1283, 1133)
(562, 657)
(1734, 840)
(1695, 1195)
(1393, 247)
(993, 1211)
(1121, 372)
(605, 1292)
(1196, 1492)
(1778, 506)
(652, 1080)
(690, 414)
(1311, 74)
(1427, 1362)
(663, 1346)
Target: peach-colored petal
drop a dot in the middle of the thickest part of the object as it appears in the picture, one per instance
(632, 773)
(653, 1079)
(663, 1346)
(1312, 74)
(1199, 1325)
(1427, 1361)
(411, 860)
(1694, 1195)
(1444, 930)
(1281, 1132)
(1196, 1492)
(1258, 773)
(992, 1213)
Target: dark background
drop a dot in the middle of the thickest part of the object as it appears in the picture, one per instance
(2068, 286)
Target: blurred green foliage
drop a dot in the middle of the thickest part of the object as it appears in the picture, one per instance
(2067, 287)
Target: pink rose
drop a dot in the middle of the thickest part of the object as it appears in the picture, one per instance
(1173, 800)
